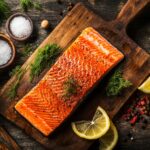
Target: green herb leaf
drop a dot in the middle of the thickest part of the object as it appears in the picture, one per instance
(45, 58)
(15, 71)
(18, 72)
(4, 10)
(117, 83)
(26, 4)
(13, 90)
(27, 50)
(70, 87)
(37, 5)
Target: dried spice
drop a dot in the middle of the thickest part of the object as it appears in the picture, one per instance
(138, 110)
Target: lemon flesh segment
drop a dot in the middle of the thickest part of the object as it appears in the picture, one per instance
(145, 87)
(93, 129)
(109, 140)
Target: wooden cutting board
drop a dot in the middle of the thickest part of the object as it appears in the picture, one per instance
(136, 68)
(6, 142)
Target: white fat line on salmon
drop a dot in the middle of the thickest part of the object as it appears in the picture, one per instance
(96, 43)
(30, 110)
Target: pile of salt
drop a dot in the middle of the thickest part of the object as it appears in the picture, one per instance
(5, 52)
(20, 27)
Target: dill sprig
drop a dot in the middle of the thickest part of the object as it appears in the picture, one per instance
(27, 50)
(4, 10)
(117, 83)
(18, 72)
(27, 4)
(15, 71)
(46, 57)
(37, 5)
(70, 87)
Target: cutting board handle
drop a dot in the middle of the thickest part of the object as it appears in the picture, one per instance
(128, 12)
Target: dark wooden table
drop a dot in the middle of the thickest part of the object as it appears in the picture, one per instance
(54, 11)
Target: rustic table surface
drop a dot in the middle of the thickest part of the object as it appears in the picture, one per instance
(54, 11)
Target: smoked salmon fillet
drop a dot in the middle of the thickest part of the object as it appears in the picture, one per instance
(86, 61)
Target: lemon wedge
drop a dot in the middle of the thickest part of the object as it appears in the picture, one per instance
(93, 129)
(145, 87)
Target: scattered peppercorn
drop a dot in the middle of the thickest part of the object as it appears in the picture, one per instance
(44, 24)
(137, 111)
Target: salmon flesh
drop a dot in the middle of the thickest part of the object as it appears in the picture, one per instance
(87, 60)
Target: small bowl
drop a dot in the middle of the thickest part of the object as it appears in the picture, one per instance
(9, 31)
(8, 40)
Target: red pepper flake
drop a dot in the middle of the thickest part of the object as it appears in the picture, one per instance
(129, 110)
(142, 102)
(137, 110)
(133, 120)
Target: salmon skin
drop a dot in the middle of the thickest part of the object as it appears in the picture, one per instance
(88, 59)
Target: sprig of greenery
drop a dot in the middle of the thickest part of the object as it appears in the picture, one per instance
(15, 71)
(26, 4)
(27, 50)
(18, 72)
(4, 10)
(117, 83)
(37, 5)
(46, 57)
(70, 87)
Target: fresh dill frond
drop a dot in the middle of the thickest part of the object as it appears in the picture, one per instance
(117, 83)
(46, 57)
(27, 50)
(13, 90)
(4, 10)
(71, 87)
(18, 72)
(15, 71)
(27, 4)
(37, 5)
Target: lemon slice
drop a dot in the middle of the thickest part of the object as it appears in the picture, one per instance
(93, 129)
(145, 87)
(109, 140)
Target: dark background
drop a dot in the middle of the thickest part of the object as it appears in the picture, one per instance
(54, 11)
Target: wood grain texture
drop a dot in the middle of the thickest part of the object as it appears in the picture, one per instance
(129, 11)
(125, 44)
(6, 142)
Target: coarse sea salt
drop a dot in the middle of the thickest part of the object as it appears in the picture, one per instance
(5, 52)
(20, 27)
